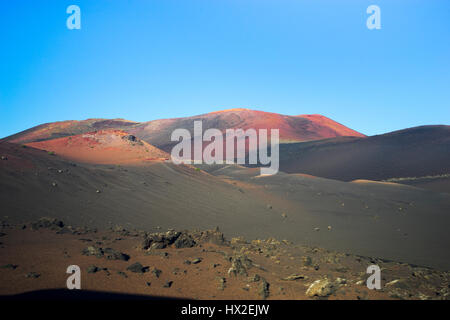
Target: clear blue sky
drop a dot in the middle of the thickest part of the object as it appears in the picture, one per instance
(145, 60)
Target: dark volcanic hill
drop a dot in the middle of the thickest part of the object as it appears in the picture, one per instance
(414, 152)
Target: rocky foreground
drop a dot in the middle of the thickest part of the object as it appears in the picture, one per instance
(198, 265)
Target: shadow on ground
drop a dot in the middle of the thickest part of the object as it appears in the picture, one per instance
(65, 295)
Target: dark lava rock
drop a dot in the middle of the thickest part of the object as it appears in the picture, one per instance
(168, 284)
(184, 241)
(123, 274)
(9, 266)
(161, 240)
(93, 251)
(240, 264)
(156, 272)
(32, 275)
(47, 223)
(112, 254)
(130, 137)
(210, 236)
(137, 268)
(93, 269)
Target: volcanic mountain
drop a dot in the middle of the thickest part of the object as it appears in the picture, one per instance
(292, 128)
(103, 147)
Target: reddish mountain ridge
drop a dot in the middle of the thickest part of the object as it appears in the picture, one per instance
(157, 132)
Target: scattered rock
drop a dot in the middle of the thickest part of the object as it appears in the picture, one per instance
(184, 241)
(398, 283)
(93, 251)
(4, 158)
(93, 269)
(122, 274)
(112, 254)
(168, 284)
(47, 223)
(294, 277)
(254, 278)
(238, 241)
(264, 289)
(9, 266)
(161, 240)
(32, 275)
(210, 236)
(130, 137)
(240, 264)
(307, 261)
(197, 260)
(137, 268)
(320, 288)
(157, 272)
(222, 283)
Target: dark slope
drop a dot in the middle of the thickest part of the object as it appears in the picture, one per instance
(159, 194)
(388, 221)
(392, 221)
(414, 152)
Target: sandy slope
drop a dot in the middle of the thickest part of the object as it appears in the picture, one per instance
(399, 223)
(413, 152)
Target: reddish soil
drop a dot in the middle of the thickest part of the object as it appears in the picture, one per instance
(49, 254)
(102, 147)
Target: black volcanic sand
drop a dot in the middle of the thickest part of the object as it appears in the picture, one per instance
(388, 221)
(415, 152)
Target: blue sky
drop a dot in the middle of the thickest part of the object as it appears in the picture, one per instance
(145, 60)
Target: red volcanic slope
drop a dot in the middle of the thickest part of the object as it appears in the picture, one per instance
(292, 128)
(67, 128)
(103, 147)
